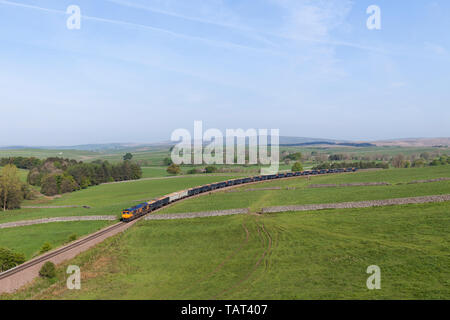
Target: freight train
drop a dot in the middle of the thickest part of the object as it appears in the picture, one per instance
(147, 207)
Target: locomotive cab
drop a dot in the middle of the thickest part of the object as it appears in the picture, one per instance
(126, 215)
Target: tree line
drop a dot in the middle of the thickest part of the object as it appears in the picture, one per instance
(359, 165)
(21, 162)
(58, 175)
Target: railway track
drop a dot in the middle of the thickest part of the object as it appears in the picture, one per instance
(15, 278)
(56, 252)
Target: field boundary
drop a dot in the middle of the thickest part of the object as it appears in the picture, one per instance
(191, 215)
(358, 204)
(57, 219)
(307, 207)
(55, 207)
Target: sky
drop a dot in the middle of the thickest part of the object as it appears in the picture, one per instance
(137, 70)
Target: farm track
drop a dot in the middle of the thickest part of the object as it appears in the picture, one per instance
(266, 244)
(244, 243)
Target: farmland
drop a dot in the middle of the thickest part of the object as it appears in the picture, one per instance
(303, 255)
(296, 191)
(107, 199)
(29, 239)
(308, 255)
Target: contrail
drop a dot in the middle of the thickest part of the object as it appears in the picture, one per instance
(141, 26)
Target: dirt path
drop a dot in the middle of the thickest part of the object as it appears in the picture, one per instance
(267, 247)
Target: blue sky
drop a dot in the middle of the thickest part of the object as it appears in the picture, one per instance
(137, 70)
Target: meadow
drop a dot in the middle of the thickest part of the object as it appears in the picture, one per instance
(304, 255)
(29, 239)
(295, 191)
(307, 255)
(106, 199)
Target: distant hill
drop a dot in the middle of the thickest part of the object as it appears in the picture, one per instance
(415, 142)
(284, 141)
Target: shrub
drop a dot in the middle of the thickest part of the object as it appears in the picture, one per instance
(128, 156)
(167, 161)
(297, 167)
(49, 185)
(10, 259)
(48, 270)
(210, 169)
(45, 247)
(174, 169)
(73, 237)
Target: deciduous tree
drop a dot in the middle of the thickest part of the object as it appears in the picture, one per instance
(10, 188)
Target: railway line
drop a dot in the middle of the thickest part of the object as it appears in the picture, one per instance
(15, 278)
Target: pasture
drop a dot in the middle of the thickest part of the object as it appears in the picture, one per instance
(106, 199)
(304, 255)
(307, 255)
(295, 191)
(29, 239)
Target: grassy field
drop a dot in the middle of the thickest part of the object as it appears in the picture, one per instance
(308, 255)
(107, 199)
(154, 156)
(29, 239)
(296, 191)
(45, 153)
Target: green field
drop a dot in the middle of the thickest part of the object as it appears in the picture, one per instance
(29, 239)
(107, 199)
(305, 255)
(256, 200)
(308, 255)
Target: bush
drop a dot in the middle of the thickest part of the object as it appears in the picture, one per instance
(49, 185)
(128, 156)
(294, 156)
(297, 167)
(45, 247)
(167, 161)
(72, 237)
(210, 169)
(10, 259)
(48, 270)
(174, 169)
